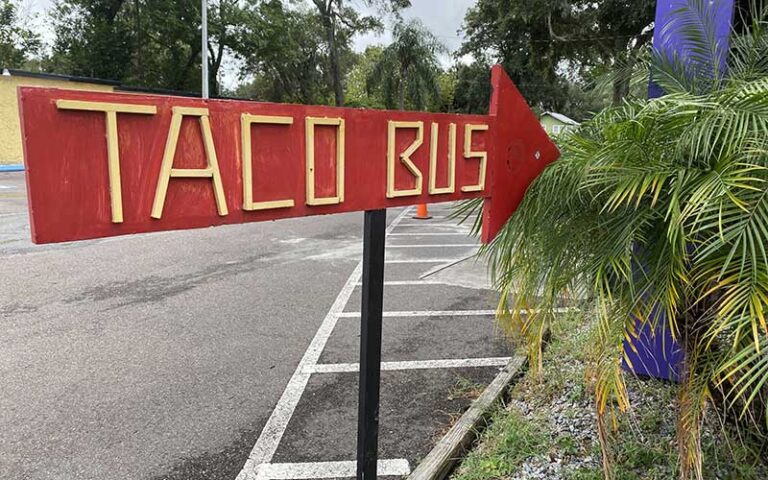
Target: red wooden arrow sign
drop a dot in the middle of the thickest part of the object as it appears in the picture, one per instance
(104, 164)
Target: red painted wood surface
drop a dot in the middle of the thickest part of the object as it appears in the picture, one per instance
(522, 149)
(65, 154)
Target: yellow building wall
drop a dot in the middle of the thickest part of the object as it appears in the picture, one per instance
(10, 130)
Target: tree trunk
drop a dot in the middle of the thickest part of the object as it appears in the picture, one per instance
(329, 25)
(213, 81)
(178, 82)
(620, 80)
(338, 88)
(402, 89)
(139, 44)
(112, 9)
(620, 89)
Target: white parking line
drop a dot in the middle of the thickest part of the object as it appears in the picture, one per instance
(300, 471)
(412, 365)
(423, 260)
(427, 313)
(453, 313)
(397, 283)
(448, 245)
(426, 234)
(258, 466)
(434, 217)
(436, 225)
(428, 224)
(267, 443)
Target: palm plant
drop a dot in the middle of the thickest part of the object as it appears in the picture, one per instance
(408, 68)
(657, 215)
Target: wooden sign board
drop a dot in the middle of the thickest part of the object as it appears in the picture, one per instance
(104, 164)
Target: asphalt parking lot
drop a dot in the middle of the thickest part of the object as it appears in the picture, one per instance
(231, 352)
(312, 429)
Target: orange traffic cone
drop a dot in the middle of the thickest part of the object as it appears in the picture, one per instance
(421, 212)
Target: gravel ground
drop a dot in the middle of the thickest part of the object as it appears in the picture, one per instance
(565, 419)
(547, 428)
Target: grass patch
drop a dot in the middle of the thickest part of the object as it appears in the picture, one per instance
(510, 440)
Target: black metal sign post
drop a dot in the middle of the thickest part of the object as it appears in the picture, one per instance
(374, 234)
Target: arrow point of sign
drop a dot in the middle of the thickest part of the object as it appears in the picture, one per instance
(522, 149)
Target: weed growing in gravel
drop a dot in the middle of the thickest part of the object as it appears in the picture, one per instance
(466, 388)
(510, 440)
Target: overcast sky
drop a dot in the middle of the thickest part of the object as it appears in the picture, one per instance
(442, 17)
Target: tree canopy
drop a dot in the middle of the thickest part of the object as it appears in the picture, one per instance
(302, 50)
(340, 22)
(287, 50)
(18, 43)
(408, 69)
(285, 61)
(153, 43)
(548, 47)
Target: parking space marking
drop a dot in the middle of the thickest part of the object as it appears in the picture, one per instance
(409, 282)
(449, 245)
(297, 471)
(413, 365)
(258, 466)
(438, 226)
(423, 260)
(438, 223)
(427, 234)
(269, 439)
(431, 217)
(454, 313)
(427, 313)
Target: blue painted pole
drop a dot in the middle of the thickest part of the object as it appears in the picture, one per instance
(655, 353)
(670, 41)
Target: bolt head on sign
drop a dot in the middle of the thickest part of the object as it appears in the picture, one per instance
(105, 164)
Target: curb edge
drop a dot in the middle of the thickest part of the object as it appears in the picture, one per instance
(450, 449)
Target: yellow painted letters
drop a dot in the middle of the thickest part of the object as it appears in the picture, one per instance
(433, 189)
(167, 171)
(310, 123)
(468, 153)
(405, 158)
(246, 120)
(113, 149)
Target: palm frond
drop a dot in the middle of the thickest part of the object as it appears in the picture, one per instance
(656, 215)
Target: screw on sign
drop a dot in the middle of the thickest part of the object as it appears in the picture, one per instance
(105, 164)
